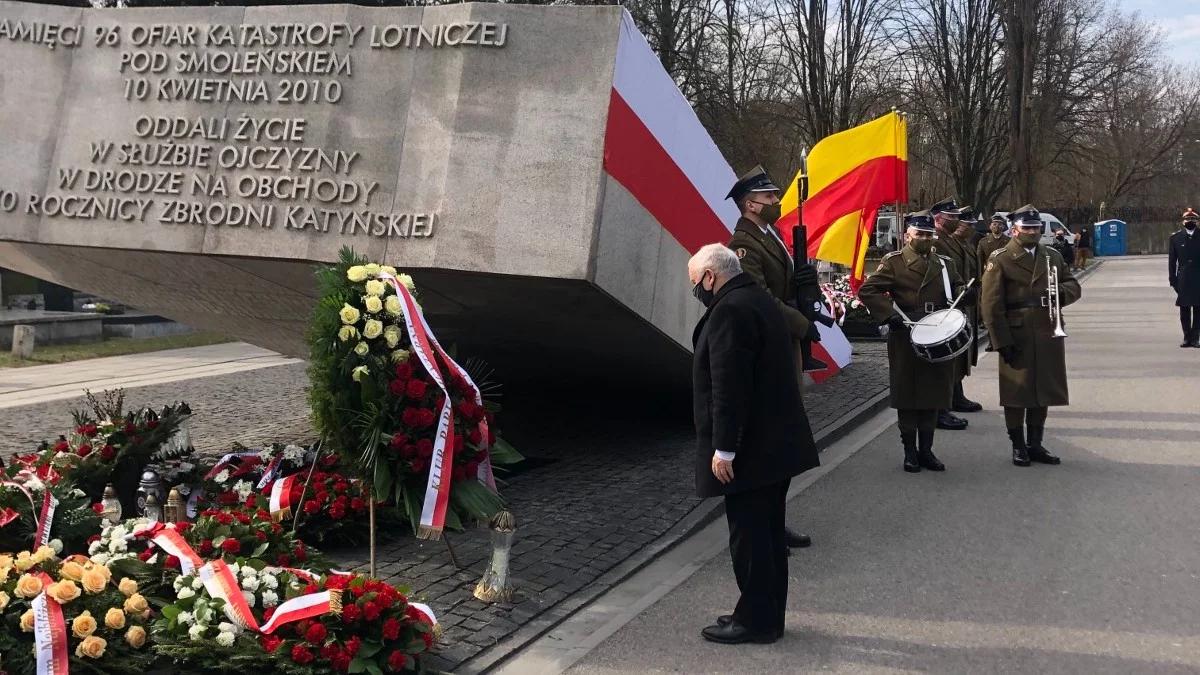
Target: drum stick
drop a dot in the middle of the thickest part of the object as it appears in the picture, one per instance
(960, 297)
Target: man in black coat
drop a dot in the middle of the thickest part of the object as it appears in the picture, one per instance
(752, 435)
(1184, 273)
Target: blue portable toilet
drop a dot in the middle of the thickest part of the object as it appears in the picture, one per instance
(1110, 237)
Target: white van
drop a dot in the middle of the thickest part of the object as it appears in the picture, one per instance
(1049, 224)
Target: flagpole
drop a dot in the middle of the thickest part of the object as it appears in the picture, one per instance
(899, 219)
(799, 231)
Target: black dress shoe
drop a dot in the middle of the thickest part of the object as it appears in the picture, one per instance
(962, 403)
(1037, 452)
(911, 463)
(726, 619)
(734, 633)
(813, 365)
(795, 539)
(947, 421)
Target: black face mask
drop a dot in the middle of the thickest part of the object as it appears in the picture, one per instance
(704, 295)
(1191, 225)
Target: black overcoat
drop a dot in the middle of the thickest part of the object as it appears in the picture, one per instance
(1184, 260)
(744, 393)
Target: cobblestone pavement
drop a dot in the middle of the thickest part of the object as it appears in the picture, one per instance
(608, 478)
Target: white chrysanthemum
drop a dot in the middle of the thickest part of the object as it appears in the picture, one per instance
(185, 618)
(270, 582)
(35, 484)
(250, 583)
(293, 453)
(197, 584)
(100, 558)
(185, 593)
(225, 639)
(250, 600)
(94, 547)
(179, 582)
(372, 269)
(243, 488)
(196, 633)
(222, 476)
(270, 599)
(226, 627)
(248, 571)
(118, 532)
(233, 567)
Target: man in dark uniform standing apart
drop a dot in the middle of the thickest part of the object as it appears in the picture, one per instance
(1016, 309)
(752, 434)
(766, 260)
(914, 279)
(946, 217)
(996, 239)
(1183, 261)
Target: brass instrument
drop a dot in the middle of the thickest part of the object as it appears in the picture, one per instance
(1052, 300)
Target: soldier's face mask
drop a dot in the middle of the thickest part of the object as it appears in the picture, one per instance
(1190, 224)
(704, 295)
(922, 246)
(1028, 238)
(768, 212)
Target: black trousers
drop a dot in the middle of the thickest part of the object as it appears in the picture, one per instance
(912, 420)
(759, 554)
(1189, 320)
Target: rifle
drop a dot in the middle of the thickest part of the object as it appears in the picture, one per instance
(800, 247)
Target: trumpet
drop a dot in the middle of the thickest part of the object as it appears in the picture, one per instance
(1052, 300)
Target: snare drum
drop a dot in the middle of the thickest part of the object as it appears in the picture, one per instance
(941, 336)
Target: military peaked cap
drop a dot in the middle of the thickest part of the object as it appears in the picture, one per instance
(921, 220)
(1027, 215)
(946, 206)
(968, 215)
(1191, 214)
(755, 180)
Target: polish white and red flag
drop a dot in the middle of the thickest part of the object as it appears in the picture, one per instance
(657, 149)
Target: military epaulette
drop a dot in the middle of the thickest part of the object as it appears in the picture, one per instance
(891, 255)
(995, 253)
(943, 257)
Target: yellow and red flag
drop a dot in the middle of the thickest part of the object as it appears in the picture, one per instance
(850, 175)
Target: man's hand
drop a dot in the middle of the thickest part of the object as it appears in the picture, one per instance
(722, 469)
(895, 322)
(970, 294)
(1009, 354)
(806, 275)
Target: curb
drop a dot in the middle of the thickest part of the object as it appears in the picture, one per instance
(697, 519)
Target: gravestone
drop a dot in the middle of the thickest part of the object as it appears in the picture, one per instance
(194, 163)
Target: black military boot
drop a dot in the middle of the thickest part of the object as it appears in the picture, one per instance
(1020, 451)
(945, 420)
(1195, 341)
(962, 403)
(925, 456)
(911, 463)
(1037, 453)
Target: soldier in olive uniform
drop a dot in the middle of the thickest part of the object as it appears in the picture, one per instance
(1184, 274)
(1015, 306)
(996, 239)
(946, 217)
(914, 279)
(767, 261)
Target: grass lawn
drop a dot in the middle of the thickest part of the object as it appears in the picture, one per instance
(110, 347)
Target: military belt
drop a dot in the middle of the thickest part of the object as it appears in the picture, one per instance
(917, 313)
(1032, 303)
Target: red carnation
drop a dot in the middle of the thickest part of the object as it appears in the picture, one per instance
(427, 418)
(242, 518)
(316, 634)
(129, 429)
(301, 655)
(428, 638)
(108, 452)
(268, 613)
(397, 388)
(232, 546)
(475, 437)
(425, 448)
(300, 552)
(416, 389)
(351, 613)
(411, 417)
(404, 371)
(312, 506)
(340, 661)
(93, 539)
(98, 507)
(353, 645)
(409, 451)
(391, 629)
(396, 660)
(420, 465)
(262, 514)
(329, 460)
(260, 535)
(270, 643)
(172, 562)
(223, 518)
(87, 430)
(358, 504)
(416, 614)
(182, 527)
(309, 589)
(340, 487)
(252, 501)
(371, 611)
(337, 512)
(206, 547)
(283, 560)
(84, 450)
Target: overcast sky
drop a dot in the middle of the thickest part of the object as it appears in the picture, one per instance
(1180, 20)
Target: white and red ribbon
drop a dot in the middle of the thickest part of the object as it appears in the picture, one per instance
(227, 461)
(425, 345)
(303, 607)
(46, 519)
(170, 540)
(281, 497)
(426, 610)
(49, 634)
(271, 471)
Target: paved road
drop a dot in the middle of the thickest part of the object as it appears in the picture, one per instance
(1089, 567)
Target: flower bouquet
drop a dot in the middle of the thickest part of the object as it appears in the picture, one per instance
(75, 607)
(26, 500)
(393, 403)
(243, 531)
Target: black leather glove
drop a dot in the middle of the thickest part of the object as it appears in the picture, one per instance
(1009, 354)
(971, 295)
(896, 323)
(806, 275)
(813, 335)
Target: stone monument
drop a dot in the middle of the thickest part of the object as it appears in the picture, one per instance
(533, 168)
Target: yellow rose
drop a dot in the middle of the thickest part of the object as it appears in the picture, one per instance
(362, 349)
(94, 581)
(392, 305)
(406, 281)
(24, 561)
(99, 568)
(356, 273)
(349, 314)
(83, 625)
(6, 561)
(91, 647)
(387, 269)
(43, 554)
(373, 304)
(3, 600)
(372, 329)
(372, 269)
(392, 335)
(27, 621)
(136, 637)
(347, 333)
(28, 586)
(114, 618)
(136, 604)
(64, 591)
(376, 287)
(128, 586)
(359, 373)
(400, 356)
(72, 570)
(4, 572)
